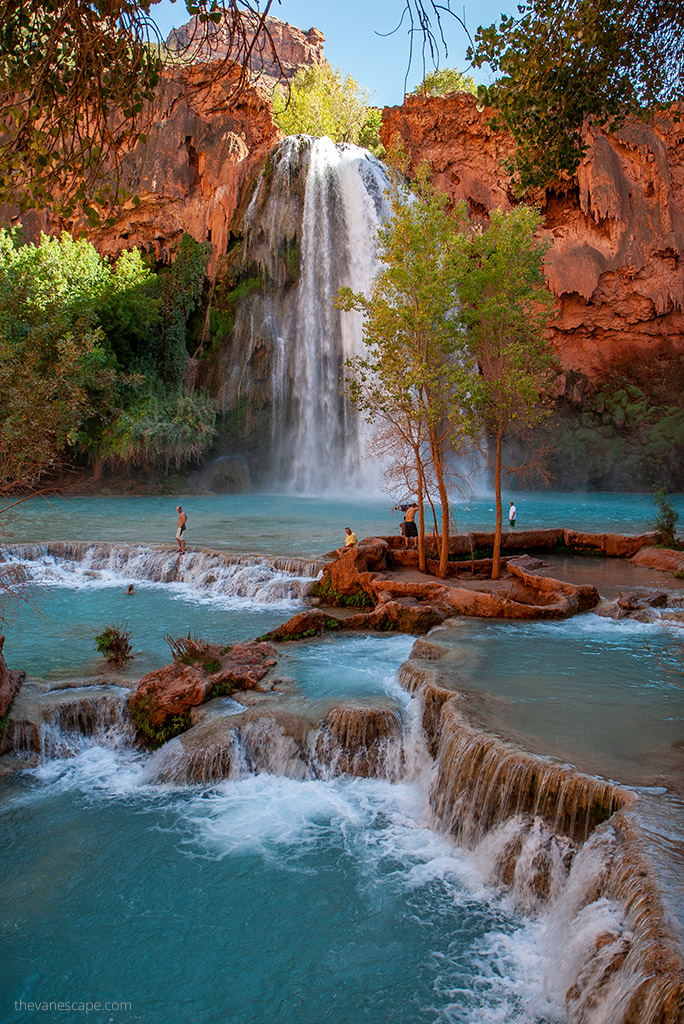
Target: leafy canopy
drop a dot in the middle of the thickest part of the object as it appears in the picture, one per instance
(321, 101)
(498, 273)
(442, 81)
(415, 378)
(561, 62)
(93, 357)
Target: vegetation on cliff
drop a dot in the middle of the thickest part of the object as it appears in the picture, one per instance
(92, 359)
(561, 64)
(322, 101)
(442, 81)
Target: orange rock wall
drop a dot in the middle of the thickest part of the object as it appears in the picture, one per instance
(202, 148)
(617, 230)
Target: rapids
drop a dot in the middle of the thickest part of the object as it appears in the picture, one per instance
(375, 842)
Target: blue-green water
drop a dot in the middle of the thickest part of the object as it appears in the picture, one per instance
(280, 524)
(606, 695)
(262, 899)
(267, 898)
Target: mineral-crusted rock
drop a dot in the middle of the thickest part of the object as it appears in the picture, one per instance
(664, 559)
(617, 229)
(171, 691)
(10, 683)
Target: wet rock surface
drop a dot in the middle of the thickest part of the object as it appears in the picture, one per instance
(10, 683)
(163, 699)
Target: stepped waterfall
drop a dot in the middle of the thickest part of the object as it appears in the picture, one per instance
(310, 228)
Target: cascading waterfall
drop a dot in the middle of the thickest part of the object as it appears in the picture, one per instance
(259, 578)
(568, 846)
(310, 229)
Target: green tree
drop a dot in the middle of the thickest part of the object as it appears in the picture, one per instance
(321, 101)
(181, 291)
(442, 81)
(75, 334)
(415, 377)
(559, 64)
(498, 273)
(666, 519)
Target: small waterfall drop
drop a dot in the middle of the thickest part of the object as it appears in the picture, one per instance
(310, 228)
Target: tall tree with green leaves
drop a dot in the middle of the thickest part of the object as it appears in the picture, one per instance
(498, 273)
(562, 63)
(442, 81)
(417, 372)
(322, 101)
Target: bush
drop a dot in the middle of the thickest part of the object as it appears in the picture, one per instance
(114, 644)
(665, 522)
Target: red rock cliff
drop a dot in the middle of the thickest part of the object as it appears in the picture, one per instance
(202, 147)
(617, 229)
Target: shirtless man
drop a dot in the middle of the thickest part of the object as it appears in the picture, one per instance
(180, 532)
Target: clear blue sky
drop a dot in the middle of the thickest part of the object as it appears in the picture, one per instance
(351, 43)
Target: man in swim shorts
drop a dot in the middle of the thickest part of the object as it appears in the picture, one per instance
(180, 532)
(410, 529)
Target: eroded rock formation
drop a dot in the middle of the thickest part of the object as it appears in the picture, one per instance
(617, 230)
(295, 49)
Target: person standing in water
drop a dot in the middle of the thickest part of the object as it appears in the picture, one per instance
(180, 532)
(512, 513)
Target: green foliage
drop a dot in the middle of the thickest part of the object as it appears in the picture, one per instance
(327, 593)
(75, 332)
(181, 289)
(323, 102)
(417, 374)
(223, 689)
(114, 644)
(498, 274)
(628, 435)
(442, 81)
(162, 431)
(155, 737)
(666, 519)
(560, 64)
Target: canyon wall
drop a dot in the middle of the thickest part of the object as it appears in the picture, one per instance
(617, 229)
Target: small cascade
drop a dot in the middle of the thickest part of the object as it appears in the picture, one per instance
(56, 724)
(616, 959)
(360, 740)
(259, 578)
(310, 229)
(481, 782)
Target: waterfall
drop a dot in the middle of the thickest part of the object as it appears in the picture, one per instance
(262, 579)
(310, 228)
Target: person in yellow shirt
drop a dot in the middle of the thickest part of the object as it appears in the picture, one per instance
(350, 541)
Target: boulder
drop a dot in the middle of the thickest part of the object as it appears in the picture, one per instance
(664, 559)
(631, 602)
(160, 706)
(10, 683)
(305, 624)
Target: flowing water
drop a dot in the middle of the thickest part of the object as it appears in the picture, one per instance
(312, 863)
(310, 229)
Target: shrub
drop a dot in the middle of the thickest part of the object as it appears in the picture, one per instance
(114, 644)
(665, 522)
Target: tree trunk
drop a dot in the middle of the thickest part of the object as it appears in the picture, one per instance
(497, 490)
(97, 466)
(422, 562)
(444, 500)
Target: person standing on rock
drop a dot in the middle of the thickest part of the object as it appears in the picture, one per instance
(512, 513)
(410, 530)
(180, 532)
